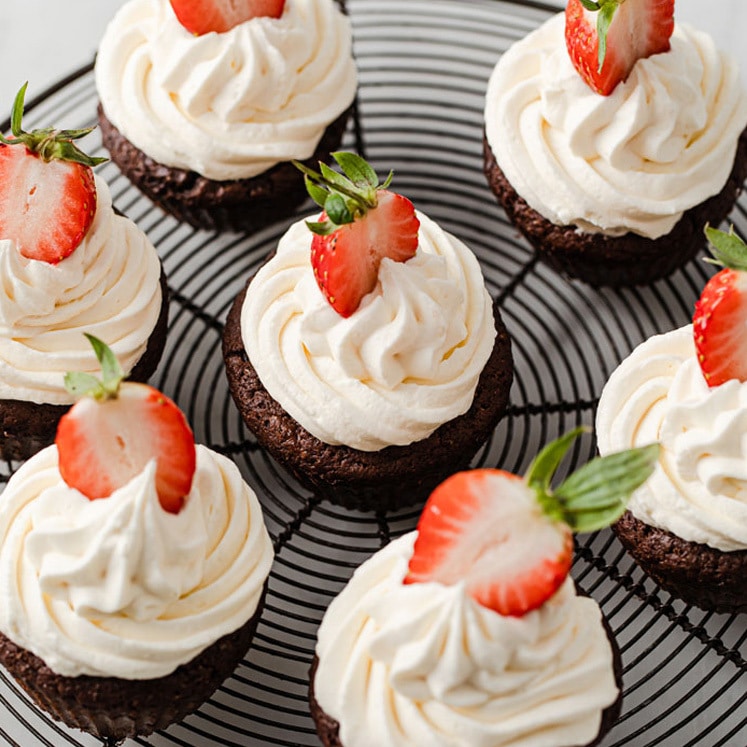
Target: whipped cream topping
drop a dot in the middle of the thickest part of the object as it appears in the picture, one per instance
(405, 362)
(424, 664)
(635, 161)
(698, 490)
(109, 286)
(118, 587)
(229, 105)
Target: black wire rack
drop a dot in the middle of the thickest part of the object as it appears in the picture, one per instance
(424, 66)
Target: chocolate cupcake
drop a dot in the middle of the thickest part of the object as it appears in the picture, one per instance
(614, 189)
(366, 355)
(693, 571)
(687, 526)
(469, 630)
(71, 264)
(390, 478)
(211, 136)
(133, 564)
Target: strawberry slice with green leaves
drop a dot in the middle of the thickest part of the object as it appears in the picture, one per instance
(605, 38)
(116, 428)
(362, 223)
(203, 16)
(508, 538)
(720, 318)
(47, 189)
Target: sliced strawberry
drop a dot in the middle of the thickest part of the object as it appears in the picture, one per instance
(486, 527)
(509, 538)
(203, 16)
(720, 318)
(47, 189)
(346, 262)
(110, 435)
(46, 208)
(362, 223)
(606, 38)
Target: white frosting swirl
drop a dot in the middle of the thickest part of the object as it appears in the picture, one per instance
(230, 105)
(698, 490)
(424, 664)
(118, 587)
(408, 359)
(109, 286)
(661, 143)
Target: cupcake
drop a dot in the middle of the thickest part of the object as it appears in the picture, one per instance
(133, 564)
(611, 172)
(70, 263)
(366, 356)
(469, 630)
(687, 526)
(204, 105)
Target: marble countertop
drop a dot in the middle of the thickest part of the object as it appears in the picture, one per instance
(68, 34)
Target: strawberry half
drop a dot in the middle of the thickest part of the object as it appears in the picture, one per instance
(109, 436)
(47, 189)
(720, 318)
(203, 16)
(606, 38)
(510, 538)
(362, 222)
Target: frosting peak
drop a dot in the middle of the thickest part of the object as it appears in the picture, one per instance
(118, 587)
(699, 488)
(426, 664)
(636, 160)
(229, 105)
(408, 359)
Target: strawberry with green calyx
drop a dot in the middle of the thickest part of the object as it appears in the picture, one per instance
(605, 38)
(204, 16)
(509, 539)
(720, 318)
(47, 189)
(362, 222)
(116, 428)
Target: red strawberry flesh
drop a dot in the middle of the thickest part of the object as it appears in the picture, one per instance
(486, 528)
(102, 445)
(639, 29)
(346, 262)
(46, 207)
(720, 327)
(203, 16)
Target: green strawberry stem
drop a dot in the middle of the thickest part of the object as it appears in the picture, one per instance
(48, 144)
(606, 10)
(728, 249)
(81, 384)
(596, 495)
(344, 197)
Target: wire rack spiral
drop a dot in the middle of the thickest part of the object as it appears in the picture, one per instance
(424, 66)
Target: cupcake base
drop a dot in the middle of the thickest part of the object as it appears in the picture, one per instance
(27, 427)
(328, 729)
(116, 709)
(697, 574)
(625, 260)
(394, 477)
(234, 205)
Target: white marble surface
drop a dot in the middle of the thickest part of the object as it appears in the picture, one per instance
(66, 35)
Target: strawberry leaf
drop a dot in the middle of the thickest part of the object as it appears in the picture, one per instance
(81, 384)
(728, 249)
(317, 193)
(337, 210)
(545, 464)
(48, 143)
(596, 494)
(357, 169)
